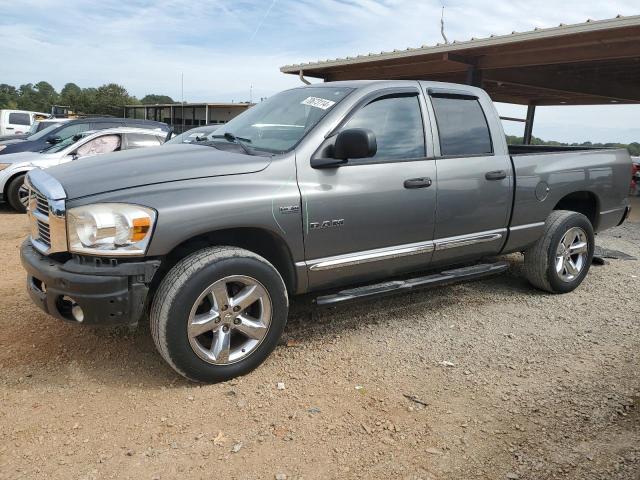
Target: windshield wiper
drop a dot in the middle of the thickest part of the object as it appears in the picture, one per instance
(237, 140)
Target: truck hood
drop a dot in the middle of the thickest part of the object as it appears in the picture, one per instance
(146, 166)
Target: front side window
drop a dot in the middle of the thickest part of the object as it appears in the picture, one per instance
(279, 123)
(396, 122)
(100, 145)
(19, 119)
(462, 126)
(64, 143)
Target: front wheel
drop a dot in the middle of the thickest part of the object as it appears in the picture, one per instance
(560, 259)
(219, 313)
(17, 194)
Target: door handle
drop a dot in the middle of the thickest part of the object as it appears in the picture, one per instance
(10, 128)
(421, 182)
(496, 175)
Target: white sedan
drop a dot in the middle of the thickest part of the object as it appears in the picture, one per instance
(13, 167)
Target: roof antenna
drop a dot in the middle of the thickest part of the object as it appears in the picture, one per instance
(442, 27)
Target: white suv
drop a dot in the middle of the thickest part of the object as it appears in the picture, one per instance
(18, 122)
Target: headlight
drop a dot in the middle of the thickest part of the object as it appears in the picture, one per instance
(110, 229)
(3, 165)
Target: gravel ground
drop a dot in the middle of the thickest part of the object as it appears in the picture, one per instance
(490, 379)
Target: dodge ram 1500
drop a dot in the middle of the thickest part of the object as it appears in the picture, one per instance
(347, 189)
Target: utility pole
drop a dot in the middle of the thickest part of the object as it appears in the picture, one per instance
(182, 98)
(442, 27)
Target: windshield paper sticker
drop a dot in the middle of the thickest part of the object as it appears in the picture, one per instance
(318, 102)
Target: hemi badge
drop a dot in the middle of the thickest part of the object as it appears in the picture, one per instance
(290, 209)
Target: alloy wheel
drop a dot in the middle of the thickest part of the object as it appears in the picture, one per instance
(571, 254)
(229, 320)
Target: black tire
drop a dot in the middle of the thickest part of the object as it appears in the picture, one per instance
(13, 194)
(179, 290)
(539, 259)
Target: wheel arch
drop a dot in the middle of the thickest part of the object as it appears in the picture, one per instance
(261, 241)
(583, 201)
(10, 179)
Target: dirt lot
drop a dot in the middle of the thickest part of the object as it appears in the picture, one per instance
(512, 383)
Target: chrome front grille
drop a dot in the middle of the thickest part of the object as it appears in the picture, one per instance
(44, 233)
(46, 210)
(42, 204)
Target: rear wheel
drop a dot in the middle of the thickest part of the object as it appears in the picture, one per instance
(560, 259)
(219, 313)
(17, 195)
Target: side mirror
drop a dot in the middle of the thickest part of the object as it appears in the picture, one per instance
(54, 140)
(350, 144)
(355, 143)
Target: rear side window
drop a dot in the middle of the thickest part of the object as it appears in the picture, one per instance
(397, 124)
(19, 119)
(462, 126)
(138, 140)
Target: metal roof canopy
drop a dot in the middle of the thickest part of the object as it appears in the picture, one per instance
(596, 62)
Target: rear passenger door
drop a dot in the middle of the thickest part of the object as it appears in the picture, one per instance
(474, 178)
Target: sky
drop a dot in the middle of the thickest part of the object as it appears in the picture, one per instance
(232, 50)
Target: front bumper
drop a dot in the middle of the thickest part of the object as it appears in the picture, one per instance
(107, 293)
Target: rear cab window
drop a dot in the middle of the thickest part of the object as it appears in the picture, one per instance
(16, 118)
(462, 126)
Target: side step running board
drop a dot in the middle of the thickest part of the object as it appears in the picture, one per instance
(399, 286)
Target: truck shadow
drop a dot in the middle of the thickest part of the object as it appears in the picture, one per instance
(5, 208)
(308, 322)
(61, 354)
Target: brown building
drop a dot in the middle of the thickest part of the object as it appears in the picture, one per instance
(183, 117)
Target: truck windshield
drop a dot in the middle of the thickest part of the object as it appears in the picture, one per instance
(279, 123)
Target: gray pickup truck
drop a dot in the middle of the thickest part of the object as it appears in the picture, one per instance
(346, 189)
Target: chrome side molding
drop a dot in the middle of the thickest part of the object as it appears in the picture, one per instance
(371, 256)
(465, 240)
(380, 254)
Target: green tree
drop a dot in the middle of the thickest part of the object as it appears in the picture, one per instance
(71, 96)
(26, 97)
(88, 100)
(8, 96)
(45, 96)
(111, 98)
(153, 99)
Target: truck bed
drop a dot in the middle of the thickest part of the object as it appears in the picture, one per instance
(591, 180)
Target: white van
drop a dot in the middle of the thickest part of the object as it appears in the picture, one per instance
(18, 122)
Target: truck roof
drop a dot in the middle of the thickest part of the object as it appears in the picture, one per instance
(395, 83)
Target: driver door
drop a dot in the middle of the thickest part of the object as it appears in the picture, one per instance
(373, 217)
